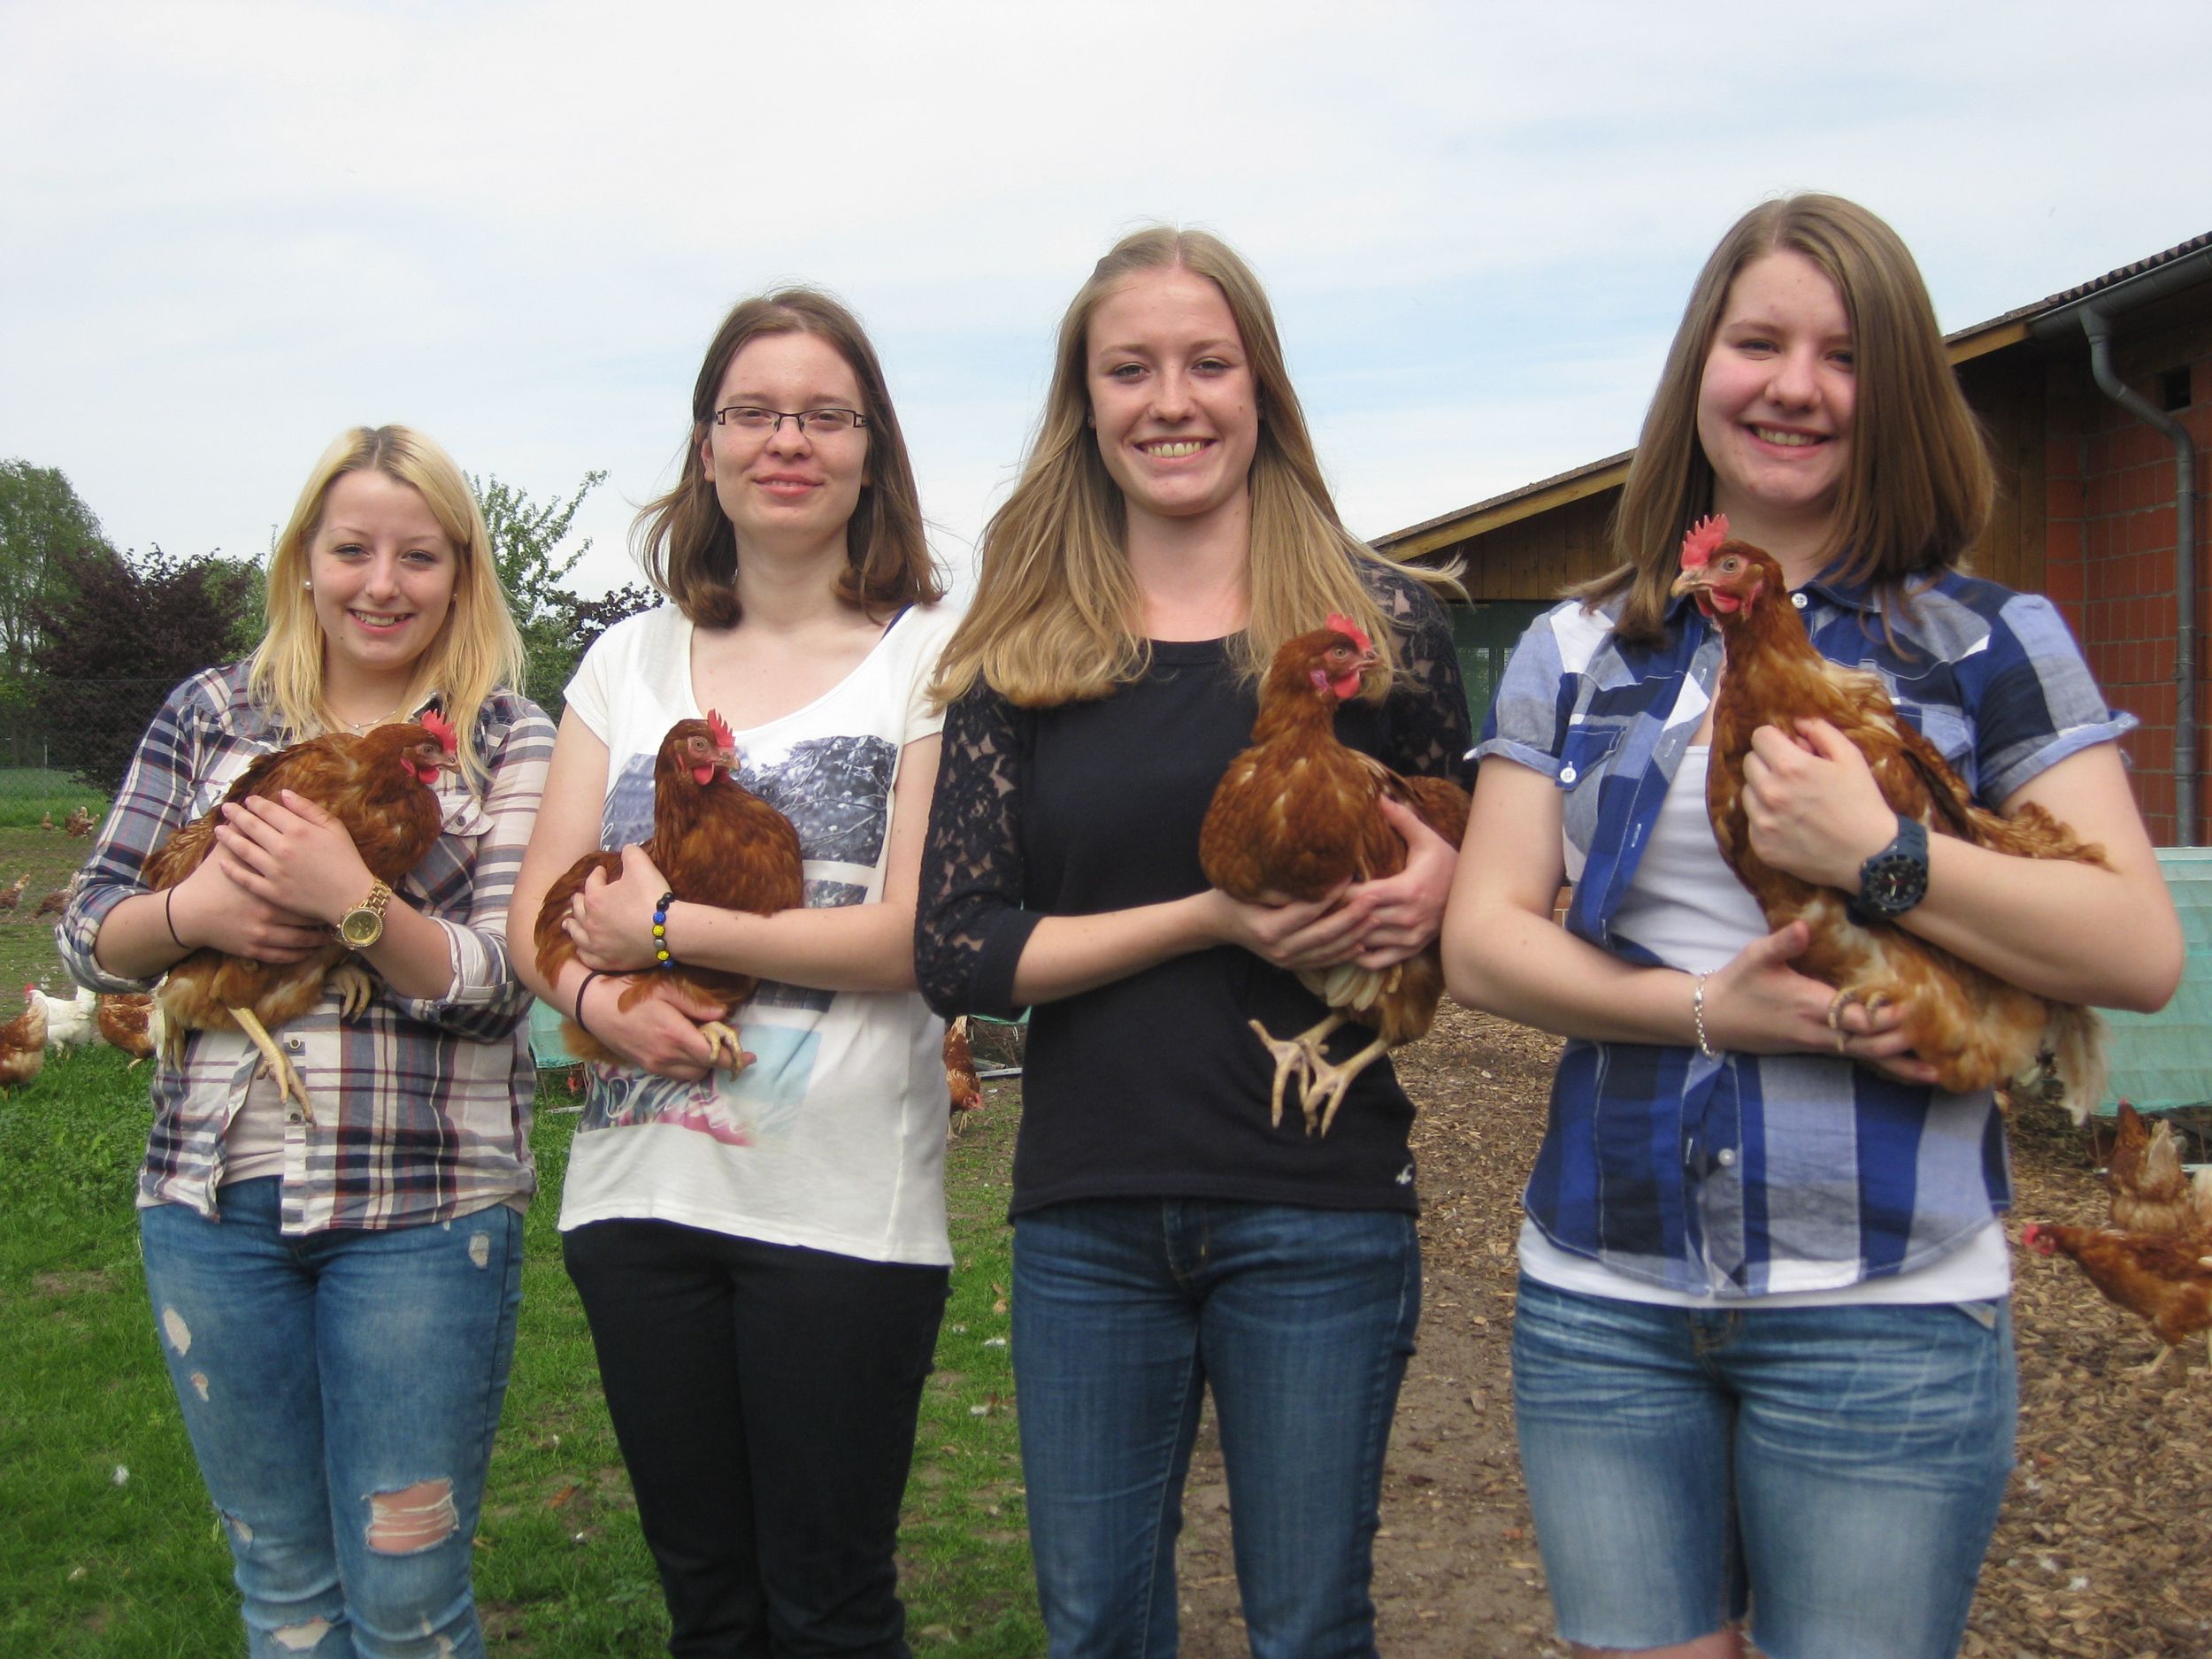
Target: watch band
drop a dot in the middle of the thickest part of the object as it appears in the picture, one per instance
(364, 924)
(1895, 879)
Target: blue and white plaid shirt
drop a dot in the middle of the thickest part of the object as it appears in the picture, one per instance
(1758, 1173)
(422, 1105)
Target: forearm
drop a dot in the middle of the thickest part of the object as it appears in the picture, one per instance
(414, 957)
(135, 942)
(2069, 931)
(1509, 961)
(1065, 954)
(840, 947)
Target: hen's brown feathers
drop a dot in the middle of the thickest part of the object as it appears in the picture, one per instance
(1978, 1031)
(714, 842)
(1297, 816)
(374, 784)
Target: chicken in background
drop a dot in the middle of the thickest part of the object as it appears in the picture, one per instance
(383, 786)
(68, 1024)
(23, 1040)
(2166, 1282)
(2148, 1187)
(53, 903)
(715, 842)
(79, 822)
(1977, 1030)
(1295, 816)
(11, 896)
(962, 1084)
(131, 1021)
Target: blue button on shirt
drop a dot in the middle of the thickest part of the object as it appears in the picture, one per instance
(1757, 1173)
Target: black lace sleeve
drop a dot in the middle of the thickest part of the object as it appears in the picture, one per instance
(968, 927)
(1430, 727)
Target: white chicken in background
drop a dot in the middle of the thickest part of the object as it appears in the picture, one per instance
(69, 1024)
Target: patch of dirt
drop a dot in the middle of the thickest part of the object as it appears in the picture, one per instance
(2104, 1547)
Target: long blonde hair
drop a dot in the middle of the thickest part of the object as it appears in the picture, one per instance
(477, 650)
(689, 547)
(1919, 485)
(1054, 619)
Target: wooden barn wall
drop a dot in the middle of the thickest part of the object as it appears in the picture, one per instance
(2007, 393)
(1534, 559)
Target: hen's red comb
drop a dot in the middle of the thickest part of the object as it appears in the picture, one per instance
(1705, 536)
(440, 728)
(1343, 624)
(724, 738)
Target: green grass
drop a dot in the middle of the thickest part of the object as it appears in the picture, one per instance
(135, 1568)
(29, 793)
(26, 941)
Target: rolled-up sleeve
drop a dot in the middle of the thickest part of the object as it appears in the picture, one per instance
(469, 893)
(154, 803)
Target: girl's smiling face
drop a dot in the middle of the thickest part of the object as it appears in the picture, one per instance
(1775, 405)
(383, 573)
(1172, 399)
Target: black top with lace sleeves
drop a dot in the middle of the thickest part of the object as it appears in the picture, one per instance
(1155, 1084)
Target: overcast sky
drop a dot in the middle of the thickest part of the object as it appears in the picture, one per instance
(228, 230)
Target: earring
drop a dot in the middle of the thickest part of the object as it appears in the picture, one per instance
(307, 582)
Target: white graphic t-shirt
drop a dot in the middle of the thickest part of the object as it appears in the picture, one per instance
(835, 1138)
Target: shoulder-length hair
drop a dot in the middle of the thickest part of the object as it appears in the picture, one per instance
(687, 547)
(477, 650)
(1054, 616)
(1919, 485)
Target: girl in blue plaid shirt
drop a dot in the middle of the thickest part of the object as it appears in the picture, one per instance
(335, 1291)
(1762, 1355)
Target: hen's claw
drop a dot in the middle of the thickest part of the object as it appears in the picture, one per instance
(279, 1068)
(1302, 1054)
(354, 986)
(724, 1050)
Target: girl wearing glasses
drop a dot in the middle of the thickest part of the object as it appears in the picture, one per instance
(762, 1254)
(1762, 1354)
(1169, 531)
(336, 1290)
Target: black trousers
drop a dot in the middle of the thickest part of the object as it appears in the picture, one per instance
(765, 1398)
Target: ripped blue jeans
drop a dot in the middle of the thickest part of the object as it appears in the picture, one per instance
(340, 1390)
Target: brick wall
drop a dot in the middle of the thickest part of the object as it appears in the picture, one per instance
(2109, 555)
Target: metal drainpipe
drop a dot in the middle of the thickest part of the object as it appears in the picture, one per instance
(2098, 328)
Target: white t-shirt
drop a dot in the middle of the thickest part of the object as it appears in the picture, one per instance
(835, 1138)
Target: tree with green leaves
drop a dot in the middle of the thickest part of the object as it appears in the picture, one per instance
(557, 625)
(43, 523)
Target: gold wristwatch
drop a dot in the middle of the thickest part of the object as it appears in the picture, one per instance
(364, 924)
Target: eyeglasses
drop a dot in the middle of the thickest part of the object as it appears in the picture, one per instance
(815, 423)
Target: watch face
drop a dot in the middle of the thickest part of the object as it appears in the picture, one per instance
(361, 928)
(1894, 884)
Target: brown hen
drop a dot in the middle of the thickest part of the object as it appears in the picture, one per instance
(127, 1021)
(23, 1041)
(2148, 1187)
(715, 842)
(2166, 1282)
(380, 786)
(1977, 1030)
(1295, 816)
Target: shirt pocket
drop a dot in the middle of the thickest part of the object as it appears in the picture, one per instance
(441, 879)
(1584, 759)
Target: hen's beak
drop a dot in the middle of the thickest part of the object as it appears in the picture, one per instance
(1693, 578)
(727, 760)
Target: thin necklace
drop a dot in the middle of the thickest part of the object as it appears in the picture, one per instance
(358, 727)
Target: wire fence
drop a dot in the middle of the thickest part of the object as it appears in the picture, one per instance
(64, 744)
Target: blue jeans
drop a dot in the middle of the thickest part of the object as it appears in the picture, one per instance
(1841, 1465)
(341, 1389)
(1299, 1320)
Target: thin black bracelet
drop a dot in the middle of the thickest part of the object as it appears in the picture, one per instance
(168, 914)
(589, 975)
(661, 956)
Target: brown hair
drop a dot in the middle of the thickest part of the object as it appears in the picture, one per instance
(477, 648)
(688, 549)
(1053, 619)
(1919, 485)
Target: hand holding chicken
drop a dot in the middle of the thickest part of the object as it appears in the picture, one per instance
(1784, 713)
(1300, 817)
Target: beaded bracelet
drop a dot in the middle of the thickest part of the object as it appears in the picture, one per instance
(661, 957)
(589, 975)
(1697, 1014)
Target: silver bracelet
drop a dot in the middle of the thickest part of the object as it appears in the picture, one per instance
(1697, 1013)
